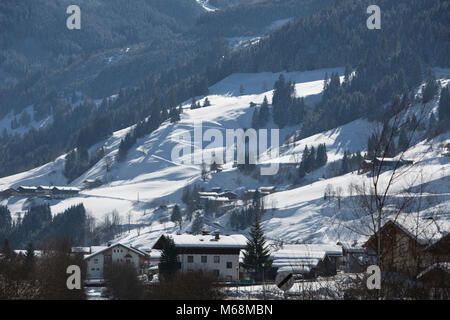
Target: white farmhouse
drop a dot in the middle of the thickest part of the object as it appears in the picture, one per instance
(215, 253)
(101, 257)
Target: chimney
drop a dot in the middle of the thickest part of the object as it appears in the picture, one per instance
(109, 244)
(217, 235)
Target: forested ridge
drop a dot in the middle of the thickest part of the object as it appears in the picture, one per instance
(388, 62)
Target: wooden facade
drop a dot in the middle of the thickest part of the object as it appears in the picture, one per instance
(405, 253)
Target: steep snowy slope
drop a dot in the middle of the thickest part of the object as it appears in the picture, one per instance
(148, 172)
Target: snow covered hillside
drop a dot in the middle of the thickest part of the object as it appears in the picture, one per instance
(142, 187)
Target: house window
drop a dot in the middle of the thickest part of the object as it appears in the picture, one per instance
(216, 259)
(190, 259)
(229, 278)
(229, 265)
(204, 259)
(216, 273)
(96, 261)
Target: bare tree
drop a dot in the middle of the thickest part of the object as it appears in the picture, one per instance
(383, 196)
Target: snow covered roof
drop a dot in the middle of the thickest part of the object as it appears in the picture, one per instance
(137, 251)
(45, 187)
(303, 256)
(269, 188)
(67, 189)
(310, 250)
(351, 247)
(27, 188)
(425, 231)
(81, 249)
(442, 265)
(237, 241)
(293, 262)
(208, 194)
(294, 269)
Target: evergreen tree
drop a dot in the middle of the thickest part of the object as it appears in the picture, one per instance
(430, 90)
(264, 113)
(169, 264)
(7, 252)
(5, 221)
(310, 163)
(256, 253)
(206, 103)
(197, 224)
(444, 106)
(345, 167)
(174, 115)
(30, 261)
(176, 215)
(256, 119)
(322, 157)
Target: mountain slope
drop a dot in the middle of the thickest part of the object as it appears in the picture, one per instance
(148, 179)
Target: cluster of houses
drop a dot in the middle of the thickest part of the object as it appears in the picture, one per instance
(425, 256)
(218, 197)
(40, 191)
(223, 256)
(384, 163)
(419, 251)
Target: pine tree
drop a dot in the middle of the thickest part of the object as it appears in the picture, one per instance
(321, 158)
(310, 163)
(256, 253)
(7, 252)
(206, 103)
(345, 168)
(176, 215)
(264, 113)
(197, 224)
(431, 89)
(30, 261)
(255, 119)
(444, 105)
(5, 221)
(174, 115)
(169, 261)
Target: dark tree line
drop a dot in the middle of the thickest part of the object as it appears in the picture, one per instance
(37, 225)
(39, 276)
(312, 159)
